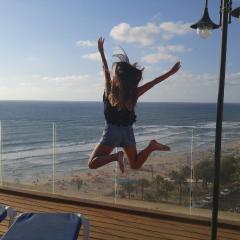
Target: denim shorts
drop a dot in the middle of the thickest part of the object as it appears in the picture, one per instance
(117, 136)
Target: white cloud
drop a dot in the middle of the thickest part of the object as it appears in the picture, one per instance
(233, 79)
(183, 86)
(172, 29)
(205, 79)
(193, 87)
(156, 57)
(152, 69)
(143, 35)
(92, 56)
(60, 87)
(58, 81)
(55, 81)
(164, 53)
(167, 36)
(173, 48)
(86, 43)
(208, 79)
(66, 80)
(147, 34)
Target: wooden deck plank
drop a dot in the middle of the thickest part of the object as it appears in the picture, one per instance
(99, 213)
(37, 209)
(113, 224)
(110, 219)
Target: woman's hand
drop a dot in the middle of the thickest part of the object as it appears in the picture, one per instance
(100, 45)
(175, 68)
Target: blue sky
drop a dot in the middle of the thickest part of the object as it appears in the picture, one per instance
(49, 52)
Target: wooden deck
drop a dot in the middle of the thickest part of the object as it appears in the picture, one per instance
(108, 222)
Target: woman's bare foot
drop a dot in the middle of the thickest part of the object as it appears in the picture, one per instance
(158, 146)
(120, 160)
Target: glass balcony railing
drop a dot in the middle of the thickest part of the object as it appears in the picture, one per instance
(26, 153)
(203, 162)
(52, 157)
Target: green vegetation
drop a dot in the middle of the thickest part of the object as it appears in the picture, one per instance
(230, 171)
(175, 188)
(78, 182)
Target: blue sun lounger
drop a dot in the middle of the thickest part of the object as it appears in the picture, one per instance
(47, 226)
(3, 212)
(6, 211)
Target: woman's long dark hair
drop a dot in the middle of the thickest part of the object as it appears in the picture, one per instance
(124, 94)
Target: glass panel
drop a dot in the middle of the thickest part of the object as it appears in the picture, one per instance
(74, 144)
(203, 156)
(27, 154)
(1, 169)
(229, 201)
(178, 181)
(203, 153)
(163, 183)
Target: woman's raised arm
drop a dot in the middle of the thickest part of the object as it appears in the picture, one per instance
(105, 66)
(144, 88)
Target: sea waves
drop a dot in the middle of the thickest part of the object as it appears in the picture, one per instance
(35, 147)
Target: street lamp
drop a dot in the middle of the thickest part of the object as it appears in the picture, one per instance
(203, 26)
(236, 12)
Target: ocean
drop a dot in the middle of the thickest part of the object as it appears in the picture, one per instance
(36, 133)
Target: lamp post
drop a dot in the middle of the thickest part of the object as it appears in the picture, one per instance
(204, 26)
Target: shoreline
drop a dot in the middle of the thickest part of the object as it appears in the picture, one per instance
(159, 163)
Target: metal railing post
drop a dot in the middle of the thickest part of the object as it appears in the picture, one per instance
(53, 158)
(191, 174)
(1, 170)
(115, 182)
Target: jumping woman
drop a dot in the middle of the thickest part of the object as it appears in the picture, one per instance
(120, 97)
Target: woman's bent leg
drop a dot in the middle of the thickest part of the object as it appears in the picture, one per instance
(137, 160)
(101, 156)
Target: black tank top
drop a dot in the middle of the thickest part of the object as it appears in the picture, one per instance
(112, 115)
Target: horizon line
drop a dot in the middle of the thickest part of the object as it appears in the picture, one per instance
(95, 101)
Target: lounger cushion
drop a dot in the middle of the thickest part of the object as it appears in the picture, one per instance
(44, 226)
(3, 213)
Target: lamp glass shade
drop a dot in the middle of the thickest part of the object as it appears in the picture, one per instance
(204, 32)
